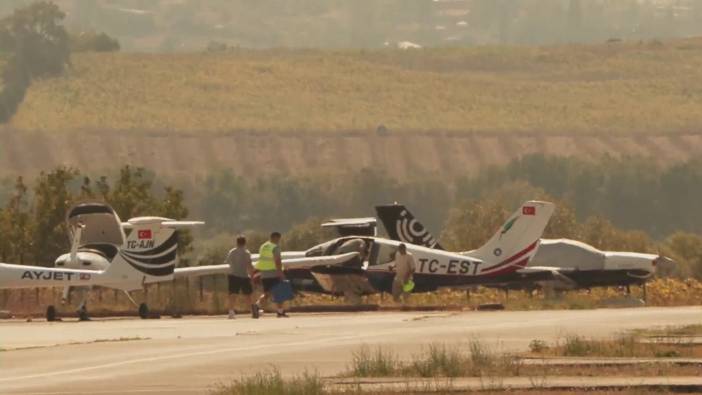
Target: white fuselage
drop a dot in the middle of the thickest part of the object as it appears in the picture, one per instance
(85, 260)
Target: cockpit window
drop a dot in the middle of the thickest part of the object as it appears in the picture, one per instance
(382, 254)
(340, 246)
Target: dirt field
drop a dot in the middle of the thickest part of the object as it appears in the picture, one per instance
(439, 154)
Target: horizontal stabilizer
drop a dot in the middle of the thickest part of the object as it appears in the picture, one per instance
(164, 222)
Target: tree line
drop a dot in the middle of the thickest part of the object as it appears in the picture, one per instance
(615, 204)
(627, 204)
(633, 193)
(33, 219)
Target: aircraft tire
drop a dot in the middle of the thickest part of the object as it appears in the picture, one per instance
(143, 311)
(83, 314)
(352, 298)
(51, 313)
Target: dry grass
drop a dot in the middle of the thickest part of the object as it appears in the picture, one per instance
(436, 360)
(630, 345)
(443, 363)
(673, 331)
(625, 87)
(476, 359)
(186, 298)
(272, 382)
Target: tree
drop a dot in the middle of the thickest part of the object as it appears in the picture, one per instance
(472, 224)
(173, 206)
(15, 225)
(90, 41)
(52, 198)
(686, 250)
(131, 193)
(307, 234)
(36, 37)
(38, 46)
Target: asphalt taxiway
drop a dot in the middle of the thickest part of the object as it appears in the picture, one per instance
(190, 355)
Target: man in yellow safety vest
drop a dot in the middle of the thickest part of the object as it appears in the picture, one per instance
(270, 265)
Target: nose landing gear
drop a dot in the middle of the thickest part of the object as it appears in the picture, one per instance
(51, 313)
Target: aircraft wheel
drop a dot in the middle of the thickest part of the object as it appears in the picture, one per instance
(352, 298)
(83, 314)
(51, 313)
(143, 311)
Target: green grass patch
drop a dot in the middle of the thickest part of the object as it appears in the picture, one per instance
(272, 382)
(436, 360)
(373, 362)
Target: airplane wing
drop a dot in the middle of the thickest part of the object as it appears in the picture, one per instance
(557, 274)
(537, 269)
(167, 223)
(289, 264)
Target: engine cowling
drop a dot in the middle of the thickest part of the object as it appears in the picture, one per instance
(85, 260)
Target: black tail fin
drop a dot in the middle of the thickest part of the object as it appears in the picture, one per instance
(402, 226)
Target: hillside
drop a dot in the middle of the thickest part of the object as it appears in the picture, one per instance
(649, 87)
(442, 156)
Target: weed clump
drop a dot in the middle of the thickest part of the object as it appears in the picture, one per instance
(272, 382)
(377, 362)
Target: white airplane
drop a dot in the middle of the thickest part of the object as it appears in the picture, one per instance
(572, 264)
(103, 254)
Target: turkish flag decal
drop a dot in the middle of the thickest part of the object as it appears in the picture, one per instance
(144, 234)
(529, 210)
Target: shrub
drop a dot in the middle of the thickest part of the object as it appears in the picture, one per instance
(93, 42)
(272, 383)
(538, 346)
(576, 346)
(367, 362)
(439, 360)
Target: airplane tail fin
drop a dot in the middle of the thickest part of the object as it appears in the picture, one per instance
(149, 253)
(517, 240)
(402, 226)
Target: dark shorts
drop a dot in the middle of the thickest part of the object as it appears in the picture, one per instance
(239, 285)
(269, 283)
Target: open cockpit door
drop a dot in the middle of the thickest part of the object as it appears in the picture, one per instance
(95, 226)
(353, 226)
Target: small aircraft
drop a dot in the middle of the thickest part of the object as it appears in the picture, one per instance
(572, 264)
(500, 260)
(357, 264)
(102, 255)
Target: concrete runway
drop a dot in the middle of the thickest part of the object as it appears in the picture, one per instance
(190, 355)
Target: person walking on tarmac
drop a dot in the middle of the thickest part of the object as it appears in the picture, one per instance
(240, 273)
(404, 267)
(270, 266)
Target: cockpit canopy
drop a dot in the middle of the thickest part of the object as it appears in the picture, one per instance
(101, 227)
(371, 250)
(568, 254)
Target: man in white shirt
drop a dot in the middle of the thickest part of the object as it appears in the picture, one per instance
(404, 269)
(240, 273)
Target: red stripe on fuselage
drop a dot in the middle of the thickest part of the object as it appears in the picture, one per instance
(513, 257)
(509, 269)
